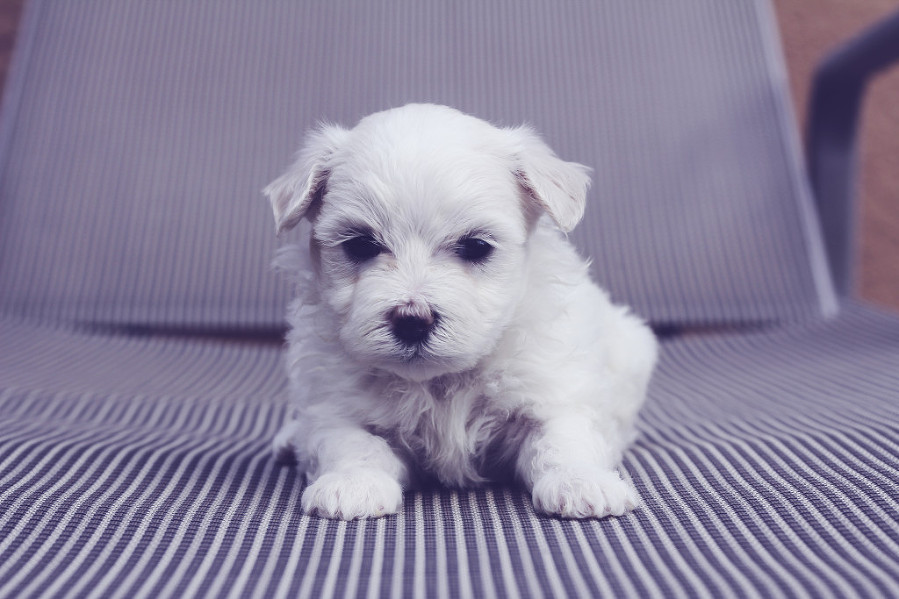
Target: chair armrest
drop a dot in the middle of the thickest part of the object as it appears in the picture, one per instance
(837, 90)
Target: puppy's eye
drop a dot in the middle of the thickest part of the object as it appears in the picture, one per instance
(361, 248)
(473, 249)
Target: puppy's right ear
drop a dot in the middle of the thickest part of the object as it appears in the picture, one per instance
(293, 193)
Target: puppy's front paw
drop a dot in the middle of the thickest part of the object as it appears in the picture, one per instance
(583, 495)
(353, 494)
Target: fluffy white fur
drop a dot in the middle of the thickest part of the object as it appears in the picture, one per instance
(529, 372)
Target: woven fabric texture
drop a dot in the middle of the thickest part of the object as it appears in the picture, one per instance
(137, 134)
(766, 464)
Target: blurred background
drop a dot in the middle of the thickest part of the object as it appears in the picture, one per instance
(809, 29)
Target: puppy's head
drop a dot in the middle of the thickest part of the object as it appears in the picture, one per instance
(420, 221)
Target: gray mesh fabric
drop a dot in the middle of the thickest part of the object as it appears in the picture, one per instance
(766, 464)
(136, 135)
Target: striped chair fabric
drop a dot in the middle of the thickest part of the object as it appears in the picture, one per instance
(138, 134)
(134, 431)
(141, 468)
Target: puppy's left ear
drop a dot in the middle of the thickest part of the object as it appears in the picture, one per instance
(555, 186)
(293, 193)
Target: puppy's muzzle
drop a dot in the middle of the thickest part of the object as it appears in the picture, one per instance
(411, 325)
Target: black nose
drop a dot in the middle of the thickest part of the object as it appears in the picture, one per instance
(411, 328)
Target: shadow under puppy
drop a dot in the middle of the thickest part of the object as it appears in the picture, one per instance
(446, 328)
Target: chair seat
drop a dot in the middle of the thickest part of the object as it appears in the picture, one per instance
(766, 464)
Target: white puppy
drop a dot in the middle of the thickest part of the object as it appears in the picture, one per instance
(446, 329)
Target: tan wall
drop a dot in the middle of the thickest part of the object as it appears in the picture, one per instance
(809, 28)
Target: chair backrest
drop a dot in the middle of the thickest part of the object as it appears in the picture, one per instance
(136, 135)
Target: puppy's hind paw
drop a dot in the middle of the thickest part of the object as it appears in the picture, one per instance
(284, 445)
(353, 494)
(584, 495)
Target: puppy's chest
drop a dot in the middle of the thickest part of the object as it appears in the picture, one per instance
(452, 430)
